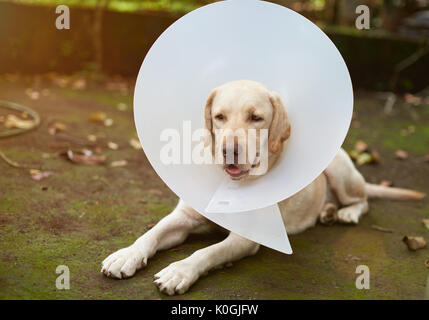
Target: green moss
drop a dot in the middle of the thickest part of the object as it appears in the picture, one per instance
(416, 142)
(9, 204)
(87, 212)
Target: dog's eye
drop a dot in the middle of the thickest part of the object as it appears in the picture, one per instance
(220, 117)
(256, 118)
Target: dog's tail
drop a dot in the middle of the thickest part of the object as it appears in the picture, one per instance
(378, 191)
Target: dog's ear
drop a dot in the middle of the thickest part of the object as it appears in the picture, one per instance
(280, 127)
(208, 118)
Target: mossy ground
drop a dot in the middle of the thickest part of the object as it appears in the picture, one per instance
(84, 213)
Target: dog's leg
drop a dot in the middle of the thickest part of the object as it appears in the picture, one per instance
(180, 275)
(349, 187)
(329, 214)
(170, 231)
(345, 180)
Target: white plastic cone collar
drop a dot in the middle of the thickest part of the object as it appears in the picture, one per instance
(236, 40)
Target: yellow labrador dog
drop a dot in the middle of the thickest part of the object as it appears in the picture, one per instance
(340, 193)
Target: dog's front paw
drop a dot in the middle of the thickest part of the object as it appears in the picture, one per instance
(176, 278)
(123, 263)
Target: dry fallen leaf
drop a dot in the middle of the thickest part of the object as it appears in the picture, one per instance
(92, 138)
(84, 157)
(150, 225)
(401, 154)
(352, 258)
(375, 157)
(60, 126)
(108, 122)
(32, 94)
(378, 228)
(61, 81)
(353, 154)
(98, 116)
(414, 243)
(13, 121)
(427, 263)
(57, 127)
(135, 143)
(403, 132)
(361, 146)
(426, 223)
(412, 99)
(119, 163)
(112, 145)
(79, 84)
(39, 175)
(363, 158)
(362, 154)
(122, 106)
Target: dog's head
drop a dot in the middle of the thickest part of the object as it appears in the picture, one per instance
(231, 112)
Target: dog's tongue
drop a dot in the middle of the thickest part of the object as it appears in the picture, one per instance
(232, 169)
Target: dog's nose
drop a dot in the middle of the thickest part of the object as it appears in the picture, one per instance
(232, 151)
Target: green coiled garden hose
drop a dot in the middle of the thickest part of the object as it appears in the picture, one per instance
(18, 107)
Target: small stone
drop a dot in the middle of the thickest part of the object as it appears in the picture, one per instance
(414, 243)
(401, 154)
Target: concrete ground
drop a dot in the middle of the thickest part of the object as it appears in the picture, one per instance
(81, 214)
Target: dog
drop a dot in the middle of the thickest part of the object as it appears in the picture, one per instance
(339, 193)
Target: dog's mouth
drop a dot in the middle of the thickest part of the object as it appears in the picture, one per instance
(235, 172)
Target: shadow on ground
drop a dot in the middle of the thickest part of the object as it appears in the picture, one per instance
(80, 214)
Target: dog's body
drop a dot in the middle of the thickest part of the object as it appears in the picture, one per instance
(340, 193)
